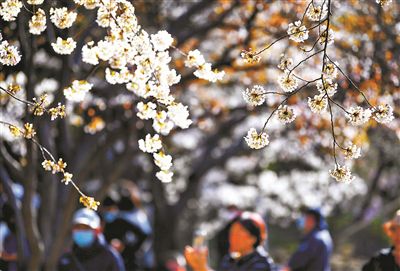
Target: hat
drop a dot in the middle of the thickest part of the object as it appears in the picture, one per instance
(388, 226)
(86, 217)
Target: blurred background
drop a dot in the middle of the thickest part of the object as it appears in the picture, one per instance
(214, 170)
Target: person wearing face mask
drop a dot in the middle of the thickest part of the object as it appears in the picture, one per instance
(125, 230)
(89, 251)
(246, 237)
(315, 249)
(389, 258)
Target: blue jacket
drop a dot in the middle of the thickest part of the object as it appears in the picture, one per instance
(313, 253)
(259, 260)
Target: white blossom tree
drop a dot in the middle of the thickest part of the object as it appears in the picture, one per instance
(89, 95)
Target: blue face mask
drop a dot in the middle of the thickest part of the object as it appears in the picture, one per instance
(300, 223)
(83, 238)
(110, 216)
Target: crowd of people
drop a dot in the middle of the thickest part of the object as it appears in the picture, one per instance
(119, 238)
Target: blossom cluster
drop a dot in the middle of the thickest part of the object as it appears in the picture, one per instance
(256, 140)
(342, 174)
(10, 9)
(204, 70)
(140, 61)
(77, 91)
(9, 55)
(326, 86)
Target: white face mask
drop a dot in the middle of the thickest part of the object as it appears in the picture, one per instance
(227, 215)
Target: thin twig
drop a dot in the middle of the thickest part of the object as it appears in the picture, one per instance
(351, 81)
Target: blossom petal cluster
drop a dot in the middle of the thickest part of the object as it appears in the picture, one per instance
(9, 55)
(297, 32)
(37, 23)
(288, 82)
(383, 113)
(285, 114)
(204, 70)
(62, 18)
(351, 152)
(358, 116)
(256, 140)
(64, 46)
(318, 103)
(316, 13)
(150, 144)
(250, 56)
(254, 96)
(77, 91)
(10, 9)
(341, 174)
(328, 86)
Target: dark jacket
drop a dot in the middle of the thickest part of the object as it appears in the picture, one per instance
(259, 260)
(384, 261)
(131, 235)
(313, 253)
(98, 257)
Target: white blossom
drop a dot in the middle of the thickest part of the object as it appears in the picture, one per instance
(318, 103)
(351, 151)
(383, 113)
(328, 86)
(341, 174)
(164, 176)
(194, 59)
(9, 55)
(146, 110)
(10, 9)
(179, 114)
(77, 91)
(316, 13)
(256, 140)
(358, 116)
(162, 160)
(37, 24)
(288, 82)
(89, 54)
(286, 114)
(62, 18)
(150, 144)
(64, 47)
(254, 96)
(162, 40)
(297, 32)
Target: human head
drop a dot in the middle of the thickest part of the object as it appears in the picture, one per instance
(392, 229)
(85, 228)
(125, 202)
(312, 219)
(247, 233)
(109, 209)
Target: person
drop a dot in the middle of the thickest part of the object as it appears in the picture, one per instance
(89, 251)
(8, 253)
(316, 245)
(123, 230)
(246, 237)
(229, 215)
(389, 258)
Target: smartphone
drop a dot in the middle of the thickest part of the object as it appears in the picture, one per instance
(199, 239)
